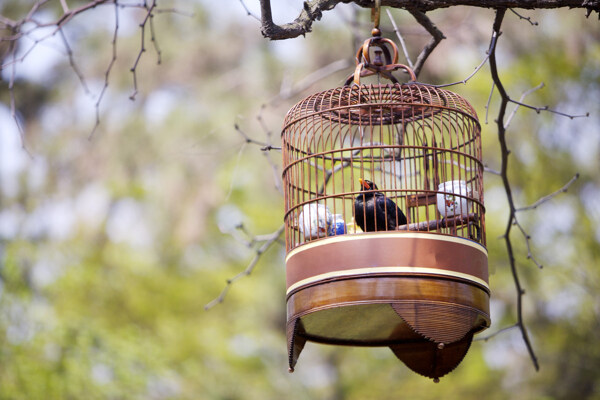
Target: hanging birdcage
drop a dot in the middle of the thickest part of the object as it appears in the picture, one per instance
(384, 218)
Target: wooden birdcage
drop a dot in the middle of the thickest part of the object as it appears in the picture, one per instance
(419, 285)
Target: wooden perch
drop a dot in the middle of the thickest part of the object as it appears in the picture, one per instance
(435, 224)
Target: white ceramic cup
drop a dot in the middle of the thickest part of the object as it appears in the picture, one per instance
(314, 220)
(448, 204)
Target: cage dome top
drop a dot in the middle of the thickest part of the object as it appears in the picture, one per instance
(380, 104)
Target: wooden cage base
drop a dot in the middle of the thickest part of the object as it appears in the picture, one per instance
(422, 295)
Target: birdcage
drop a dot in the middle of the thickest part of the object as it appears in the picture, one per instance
(384, 217)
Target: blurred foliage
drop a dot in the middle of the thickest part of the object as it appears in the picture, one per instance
(110, 247)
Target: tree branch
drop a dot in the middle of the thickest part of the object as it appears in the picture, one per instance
(464, 81)
(401, 40)
(143, 24)
(527, 237)
(107, 73)
(492, 335)
(514, 112)
(270, 240)
(25, 27)
(504, 174)
(550, 196)
(248, 12)
(528, 19)
(436, 38)
(313, 11)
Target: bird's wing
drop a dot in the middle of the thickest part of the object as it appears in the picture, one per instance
(393, 215)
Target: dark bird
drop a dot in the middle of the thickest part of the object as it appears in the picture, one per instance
(375, 212)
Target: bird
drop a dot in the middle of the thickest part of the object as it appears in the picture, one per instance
(373, 211)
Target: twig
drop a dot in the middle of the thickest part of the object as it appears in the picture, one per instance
(491, 171)
(400, 39)
(106, 73)
(311, 79)
(250, 14)
(272, 238)
(153, 39)
(489, 100)
(464, 81)
(549, 196)
(527, 243)
(528, 19)
(248, 139)
(546, 108)
(265, 147)
(72, 61)
(11, 90)
(266, 150)
(514, 112)
(492, 335)
(142, 47)
(269, 148)
(64, 5)
(235, 169)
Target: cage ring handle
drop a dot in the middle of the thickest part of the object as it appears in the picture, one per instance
(380, 43)
(386, 71)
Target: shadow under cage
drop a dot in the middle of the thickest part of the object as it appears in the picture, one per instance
(416, 279)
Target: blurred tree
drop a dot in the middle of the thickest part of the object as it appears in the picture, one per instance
(111, 247)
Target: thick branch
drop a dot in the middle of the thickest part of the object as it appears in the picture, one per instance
(505, 99)
(436, 38)
(313, 10)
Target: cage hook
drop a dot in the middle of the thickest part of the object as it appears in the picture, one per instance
(375, 16)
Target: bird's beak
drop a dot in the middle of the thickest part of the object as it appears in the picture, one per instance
(364, 184)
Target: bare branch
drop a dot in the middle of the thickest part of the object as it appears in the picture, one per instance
(64, 5)
(436, 37)
(464, 81)
(528, 19)
(546, 108)
(11, 90)
(17, 32)
(311, 79)
(247, 138)
(400, 39)
(271, 239)
(507, 187)
(514, 112)
(491, 171)
(142, 48)
(550, 196)
(72, 62)
(492, 335)
(487, 104)
(528, 243)
(106, 73)
(313, 11)
(250, 14)
(266, 149)
(153, 39)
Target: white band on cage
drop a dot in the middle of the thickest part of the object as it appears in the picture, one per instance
(388, 270)
(428, 236)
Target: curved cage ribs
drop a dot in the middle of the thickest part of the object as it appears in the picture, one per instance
(413, 140)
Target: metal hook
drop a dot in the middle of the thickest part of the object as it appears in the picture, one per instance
(375, 16)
